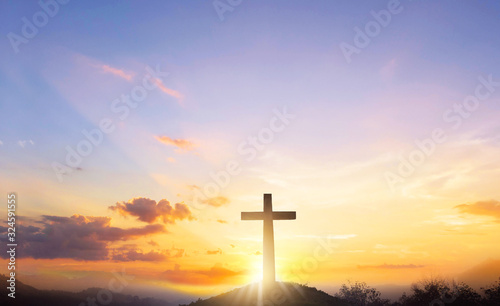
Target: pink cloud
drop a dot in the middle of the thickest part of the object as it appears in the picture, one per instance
(118, 72)
(182, 144)
(169, 91)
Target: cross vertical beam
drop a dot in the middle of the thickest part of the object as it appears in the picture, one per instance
(269, 267)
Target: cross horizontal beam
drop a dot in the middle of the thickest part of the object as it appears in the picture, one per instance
(254, 215)
(284, 215)
(277, 215)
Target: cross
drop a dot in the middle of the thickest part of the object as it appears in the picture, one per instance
(268, 215)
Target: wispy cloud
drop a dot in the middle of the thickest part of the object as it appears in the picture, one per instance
(23, 143)
(118, 72)
(168, 91)
(216, 201)
(335, 237)
(182, 144)
(214, 276)
(392, 267)
(483, 208)
(132, 253)
(389, 69)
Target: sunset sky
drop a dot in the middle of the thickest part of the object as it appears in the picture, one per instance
(135, 133)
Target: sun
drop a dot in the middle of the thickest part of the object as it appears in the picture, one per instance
(256, 267)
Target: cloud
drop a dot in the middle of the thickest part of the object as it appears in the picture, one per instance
(483, 208)
(222, 221)
(22, 143)
(389, 69)
(182, 144)
(118, 72)
(1, 143)
(169, 91)
(336, 237)
(390, 267)
(342, 237)
(131, 253)
(257, 253)
(149, 211)
(78, 237)
(153, 243)
(214, 276)
(216, 201)
(215, 252)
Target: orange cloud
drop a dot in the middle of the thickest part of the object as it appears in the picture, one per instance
(182, 144)
(216, 201)
(222, 221)
(149, 211)
(215, 252)
(484, 208)
(120, 73)
(214, 276)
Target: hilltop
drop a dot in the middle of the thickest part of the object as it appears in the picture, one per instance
(284, 294)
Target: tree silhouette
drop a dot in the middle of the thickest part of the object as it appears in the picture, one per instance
(438, 291)
(492, 294)
(359, 293)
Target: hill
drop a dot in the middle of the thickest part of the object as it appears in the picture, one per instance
(284, 294)
(29, 296)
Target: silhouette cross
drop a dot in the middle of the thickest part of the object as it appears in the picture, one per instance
(268, 215)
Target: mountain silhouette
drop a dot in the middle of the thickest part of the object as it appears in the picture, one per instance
(482, 274)
(283, 294)
(28, 296)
